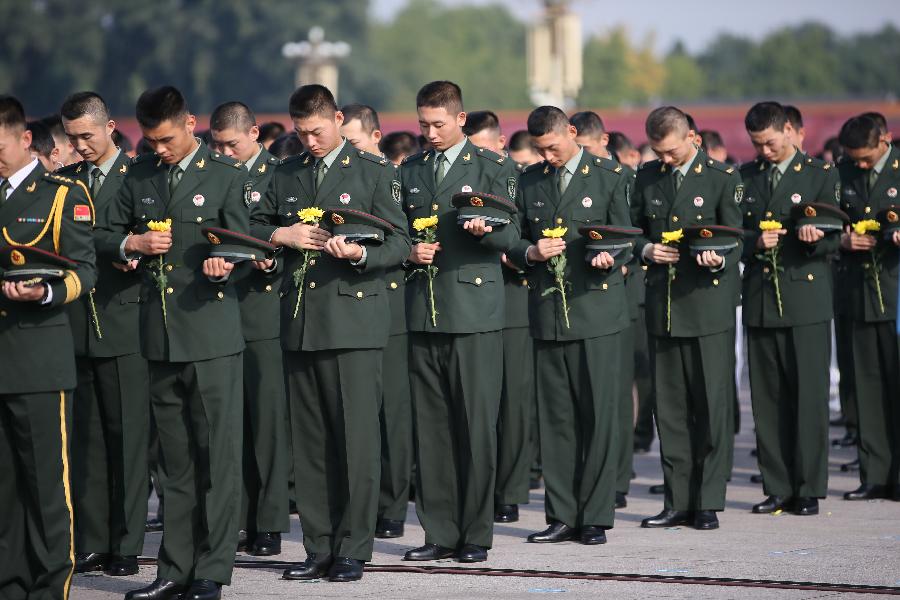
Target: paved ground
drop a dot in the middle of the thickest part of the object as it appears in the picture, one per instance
(849, 542)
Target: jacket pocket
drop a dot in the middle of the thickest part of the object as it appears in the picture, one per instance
(360, 289)
(477, 276)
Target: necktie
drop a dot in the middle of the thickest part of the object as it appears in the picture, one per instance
(679, 176)
(4, 188)
(775, 178)
(441, 169)
(563, 182)
(873, 177)
(96, 181)
(175, 174)
(321, 170)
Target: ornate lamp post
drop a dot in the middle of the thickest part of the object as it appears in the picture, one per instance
(317, 60)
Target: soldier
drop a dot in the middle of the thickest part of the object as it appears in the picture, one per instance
(690, 317)
(397, 145)
(514, 448)
(65, 151)
(713, 145)
(112, 405)
(42, 145)
(521, 150)
(51, 215)
(362, 130)
(870, 178)
(578, 342)
(334, 325)
(269, 132)
(456, 342)
(191, 336)
(620, 146)
(264, 506)
(787, 313)
(795, 118)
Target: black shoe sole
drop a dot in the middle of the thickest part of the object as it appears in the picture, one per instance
(471, 559)
(385, 535)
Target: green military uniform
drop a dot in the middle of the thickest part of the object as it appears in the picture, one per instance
(333, 348)
(577, 366)
(265, 450)
(37, 376)
(876, 364)
(456, 366)
(636, 284)
(694, 361)
(111, 413)
(789, 354)
(194, 352)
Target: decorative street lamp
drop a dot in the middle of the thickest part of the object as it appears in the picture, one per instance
(317, 60)
(554, 56)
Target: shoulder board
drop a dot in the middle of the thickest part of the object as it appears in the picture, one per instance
(720, 166)
(226, 160)
(372, 157)
(145, 157)
(491, 155)
(413, 157)
(813, 161)
(272, 160)
(651, 165)
(70, 170)
(59, 179)
(609, 164)
(534, 167)
(293, 158)
(750, 167)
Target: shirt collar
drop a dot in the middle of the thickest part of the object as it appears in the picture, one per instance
(107, 166)
(688, 163)
(249, 164)
(572, 165)
(879, 166)
(185, 162)
(453, 152)
(783, 165)
(19, 176)
(329, 158)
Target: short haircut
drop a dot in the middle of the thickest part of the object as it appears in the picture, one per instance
(287, 144)
(205, 136)
(81, 104)
(12, 113)
(312, 100)
(878, 118)
(588, 123)
(481, 120)
(618, 142)
(232, 115)
(545, 119)
(270, 131)
(397, 144)
(834, 146)
(664, 121)
(692, 124)
(143, 147)
(763, 115)
(441, 94)
(710, 140)
(860, 132)
(54, 122)
(122, 141)
(366, 115)
(157, 105)
(793, 116)
(520, 140)
(41, 138)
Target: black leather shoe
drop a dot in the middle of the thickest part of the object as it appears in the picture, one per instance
(591, 535)
(867, 492)
(120, 566)
(556, 532)
(346, 569)
(388, 528)
(667, 518)
(756, 478)
(705, 520)
(160, 589)
(621, 500)
(470, 553)
(153, 525)
(314, 567)
(92, 561)
(853, 465)
(770, 505)
(429, 552)
(245, 541)
(266, 544)
(659, 488)
(806, 506)
(896, 495)
(506, 513)
(204, 589)
(847, 441)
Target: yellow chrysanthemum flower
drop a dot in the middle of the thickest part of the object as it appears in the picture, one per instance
(310, 215)
(866, 225)
(770, 225)
(556, 232)
(160, 225)
(423, 223)
(672, 237)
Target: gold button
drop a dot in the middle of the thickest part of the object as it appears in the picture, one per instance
(434, 207)
(765, 269)
(93, 290)
(2, 313)
(312, 262)
(312, 285)
(525, 283)
(715, 282)
(199, 219)
(605, 286)
(359, 294)
(749, 214)
(220, 295)
(478, 281)
(768, 213)
(536, 220)
(699, 217)
(169, 267)
(675, 219)
(289, 214)
(868, 209)
(394, 285)
(644, 267)
(559, 220)
(170, 290)
(268, 288)
(867, 265)
(810, 276)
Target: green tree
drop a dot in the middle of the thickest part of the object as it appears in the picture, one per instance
(684, 79)
(617, 72)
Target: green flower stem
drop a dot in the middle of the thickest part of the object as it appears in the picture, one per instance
(94, 316)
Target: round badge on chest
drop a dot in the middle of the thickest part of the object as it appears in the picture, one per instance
(796, 198)
(698, 201)
(587, 202)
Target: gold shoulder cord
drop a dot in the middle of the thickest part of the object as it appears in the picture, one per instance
(54, 218)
